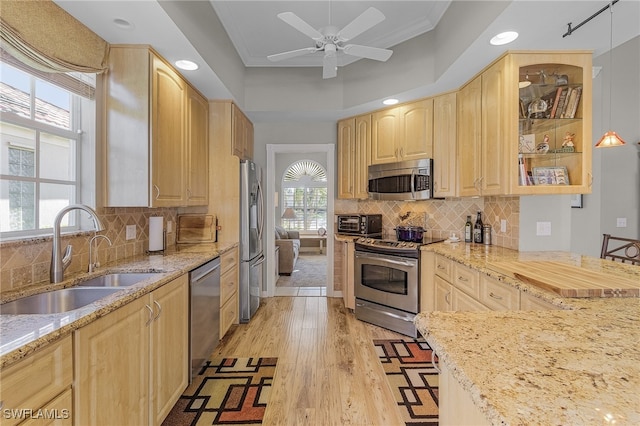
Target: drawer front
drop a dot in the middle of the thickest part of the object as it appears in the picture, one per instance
(228, 314)
(37, 379)
(463, 302)
(60, 410)
(228, 285)
(467, 280)
(532, 303)
(498, 296)
(443, 267)
(228, 260)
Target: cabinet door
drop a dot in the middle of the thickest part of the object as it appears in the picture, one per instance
(169, 347)
(494, 125)
(197, 149)
(455, 404)
(384, 136)
(444, 145)
(167, 144)
(469, 138)
(443, 292)
(416, 131)
(463, 302)
(112, 368)
(346, 158)
(362, 157)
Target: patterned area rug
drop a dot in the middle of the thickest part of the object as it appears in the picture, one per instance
(310, 270)
(226, 391)
(414, 381)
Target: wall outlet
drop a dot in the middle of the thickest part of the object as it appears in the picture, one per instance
(621, 222)
(131, 232)
(503, 225)
(543, 229)
(169, 226)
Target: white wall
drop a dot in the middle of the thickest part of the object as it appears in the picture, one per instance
(616, 171)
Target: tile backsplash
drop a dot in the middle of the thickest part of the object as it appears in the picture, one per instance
(442, 217)
(26, 262)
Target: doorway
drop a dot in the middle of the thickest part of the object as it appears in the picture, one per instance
(273, 150)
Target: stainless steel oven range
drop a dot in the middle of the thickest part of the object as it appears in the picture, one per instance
(387, 283)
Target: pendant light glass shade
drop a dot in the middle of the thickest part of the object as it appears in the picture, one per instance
(610, 138)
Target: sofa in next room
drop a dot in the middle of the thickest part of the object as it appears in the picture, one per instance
(289, 243)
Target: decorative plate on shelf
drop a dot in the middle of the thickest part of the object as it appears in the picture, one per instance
(322, 232)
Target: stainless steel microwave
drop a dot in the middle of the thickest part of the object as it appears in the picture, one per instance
(405, 180)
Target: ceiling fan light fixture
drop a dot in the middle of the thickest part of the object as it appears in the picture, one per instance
(503, 38)
(390, 101)
(186, 65)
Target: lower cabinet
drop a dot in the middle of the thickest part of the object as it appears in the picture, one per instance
(532, 303)
(41, 381)
(131, 365)
(343, 273)
(228, 290)
(455, 406)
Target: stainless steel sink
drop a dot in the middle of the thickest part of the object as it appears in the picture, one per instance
(123, 279)
(56, 301)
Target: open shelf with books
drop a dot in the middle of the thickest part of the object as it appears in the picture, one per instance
(553, 153)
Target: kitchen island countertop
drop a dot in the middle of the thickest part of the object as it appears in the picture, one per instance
(21, 335)
(574, 366)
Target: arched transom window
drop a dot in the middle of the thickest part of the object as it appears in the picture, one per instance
(304, 191)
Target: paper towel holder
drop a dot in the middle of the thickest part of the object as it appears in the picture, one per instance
(158, 221)
(164, 245)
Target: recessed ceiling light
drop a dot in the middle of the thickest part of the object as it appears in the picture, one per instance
(504, 38)
(390, 101)
(183, 64)
(123, 23)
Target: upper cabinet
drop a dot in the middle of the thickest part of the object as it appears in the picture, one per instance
(242, 134)
(156, 131)
(481, 133)
(444, 145)
(354, 141)
(550, 147)
(402, 133)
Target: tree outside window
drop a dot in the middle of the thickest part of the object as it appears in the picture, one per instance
(304, 189)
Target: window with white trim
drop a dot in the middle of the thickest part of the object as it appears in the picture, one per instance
(304, 189)
(46, 137)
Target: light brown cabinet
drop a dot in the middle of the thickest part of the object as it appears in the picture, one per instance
(444, 145)
(402, 133)
(228, 290)
(242, 135)
(455, 404)
(354, 142)
(481, 133)
(39, 381)
(152, 127)
(197, 149)
(131, 366)
(343, 273)
(558, 79)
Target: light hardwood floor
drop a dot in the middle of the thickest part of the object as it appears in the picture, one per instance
(327, 372)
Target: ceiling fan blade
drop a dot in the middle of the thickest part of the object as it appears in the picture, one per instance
(367, 52)
(329, 65)
(300, 25)
(291, 54)
(362, 23)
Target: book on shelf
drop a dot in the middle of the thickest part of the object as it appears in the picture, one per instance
(555, 102)
(561, 102)
(522, 171)
(575, 99)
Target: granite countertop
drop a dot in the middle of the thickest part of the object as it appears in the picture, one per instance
(578, 365)
(21, 335)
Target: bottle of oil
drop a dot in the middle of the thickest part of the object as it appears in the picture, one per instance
(477, 229)
(468, 230)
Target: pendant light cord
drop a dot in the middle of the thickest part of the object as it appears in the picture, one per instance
(610, 62)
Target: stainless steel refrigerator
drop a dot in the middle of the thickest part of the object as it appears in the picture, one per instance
(251, 233)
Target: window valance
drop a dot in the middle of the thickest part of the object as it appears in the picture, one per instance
(46, 37)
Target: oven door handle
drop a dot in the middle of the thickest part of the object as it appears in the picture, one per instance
(387, 313)
(386, 259)
(413, 184)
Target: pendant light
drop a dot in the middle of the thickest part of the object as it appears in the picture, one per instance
(610, 138)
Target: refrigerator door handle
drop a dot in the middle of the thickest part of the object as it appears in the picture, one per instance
(260, 261)
(260, 212)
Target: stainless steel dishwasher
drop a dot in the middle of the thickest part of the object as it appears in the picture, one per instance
(205, 313)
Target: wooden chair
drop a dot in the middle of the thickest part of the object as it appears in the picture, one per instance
(623, 250)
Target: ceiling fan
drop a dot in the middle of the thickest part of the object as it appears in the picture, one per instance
(330, 40)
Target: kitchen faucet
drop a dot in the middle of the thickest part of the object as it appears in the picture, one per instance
(60, 262)
(93, 265)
